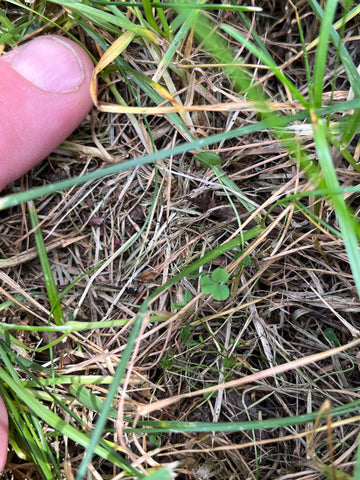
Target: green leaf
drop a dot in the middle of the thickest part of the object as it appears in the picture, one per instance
(165, 473)
(185, 332)
(177, 305)
(331, 335)
(187, 296)
(208, 159)
(220, 292)
(207, 285)
(220, 275)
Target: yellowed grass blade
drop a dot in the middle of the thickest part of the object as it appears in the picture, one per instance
(120, 45)
(111, 53)
(177, 108)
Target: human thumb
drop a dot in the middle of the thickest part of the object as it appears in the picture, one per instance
(4, 434)
(44, 96)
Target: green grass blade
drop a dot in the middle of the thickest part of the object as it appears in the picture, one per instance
(203, 427)
(106, 19)
(255, 94)
(82, 438)
(351, 128)
(119, 374)
(181, 33)
(25, 439)
(321, 52)
(45, 265)
(346, 219)
(150, 17)
(182, 5)
(350, 68)
(17, 198)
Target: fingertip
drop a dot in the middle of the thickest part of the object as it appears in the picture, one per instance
(4, 434)
(44, 96)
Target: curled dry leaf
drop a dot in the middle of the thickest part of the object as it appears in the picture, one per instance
(220, 212)
(96, 221)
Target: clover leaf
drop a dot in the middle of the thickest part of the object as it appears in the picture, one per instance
(214, 285)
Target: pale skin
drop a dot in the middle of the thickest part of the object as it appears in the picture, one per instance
(44, 96)
(36, 115)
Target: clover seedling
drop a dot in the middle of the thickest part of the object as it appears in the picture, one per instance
(215, 284)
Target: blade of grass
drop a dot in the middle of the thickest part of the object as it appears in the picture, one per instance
(27, 398)
(254, 94)
(106, 19)
(202, 427)
(109, 55)
(107, 404)
(147, 6)
(180, 35)
(50, 285)
(350, 68)
(346, 220)
(17, 198)
(321, 53)
(24, 439)
(183, 5)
